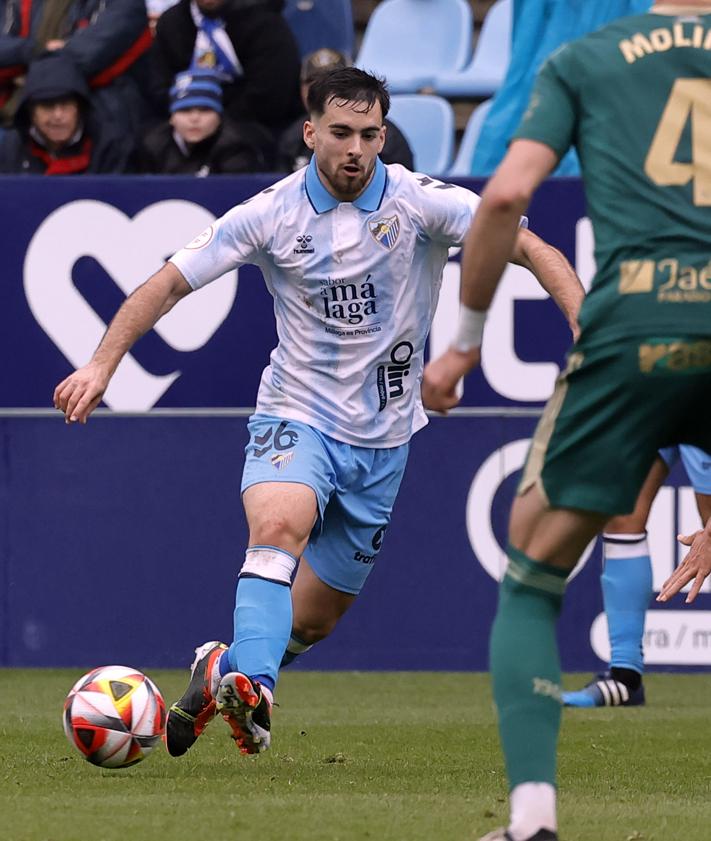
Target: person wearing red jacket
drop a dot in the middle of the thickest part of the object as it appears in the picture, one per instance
(107, 40)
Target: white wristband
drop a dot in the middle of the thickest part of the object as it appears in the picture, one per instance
(470, 329)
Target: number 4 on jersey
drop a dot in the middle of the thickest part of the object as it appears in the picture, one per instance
(689, 99)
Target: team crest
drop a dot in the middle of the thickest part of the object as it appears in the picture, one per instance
(280, 460)
(386, 231)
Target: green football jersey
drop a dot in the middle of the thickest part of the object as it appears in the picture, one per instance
(634, 98)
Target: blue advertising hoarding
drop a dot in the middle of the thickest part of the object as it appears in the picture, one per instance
(121, 541)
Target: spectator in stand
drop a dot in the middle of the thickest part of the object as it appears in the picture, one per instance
(106, 39)
(294, 153)
(198, 140)
(57, 133)
(155, 9)
(248, 46)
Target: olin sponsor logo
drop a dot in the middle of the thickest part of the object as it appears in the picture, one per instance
(391, 377)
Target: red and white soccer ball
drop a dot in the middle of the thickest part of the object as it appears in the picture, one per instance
(114, 716)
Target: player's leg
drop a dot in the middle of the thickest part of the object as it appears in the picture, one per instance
(286, 483)
(317, 607)
(339, 559)
(545, 545)
(280, 516)
(626, 592)
(565, 497)
(697, 463)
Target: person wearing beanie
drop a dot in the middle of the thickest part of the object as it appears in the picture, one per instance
(293, 153)
(56, 131)
(198, 139)
(248, 46)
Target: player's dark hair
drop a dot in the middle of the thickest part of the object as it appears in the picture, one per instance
(348, 84)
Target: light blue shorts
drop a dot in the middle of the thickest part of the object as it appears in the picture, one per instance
(697, 464)
(355, 491)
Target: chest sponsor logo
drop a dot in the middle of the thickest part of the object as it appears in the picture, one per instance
(385, 231)
(347, 303)
(391, 377)
(303, 244)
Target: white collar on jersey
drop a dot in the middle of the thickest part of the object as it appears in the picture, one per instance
(322, 201)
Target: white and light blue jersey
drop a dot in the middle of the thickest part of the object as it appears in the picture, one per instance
(355, 287)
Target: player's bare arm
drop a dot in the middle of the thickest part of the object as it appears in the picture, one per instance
(493, 240)
(81, 392)
(553, 272)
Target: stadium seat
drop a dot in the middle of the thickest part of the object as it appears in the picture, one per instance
(321, 23)
(463, 162)
(484, 75)
(428, 125)
(410, 42)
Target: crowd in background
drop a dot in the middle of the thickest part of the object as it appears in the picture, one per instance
(155, 86)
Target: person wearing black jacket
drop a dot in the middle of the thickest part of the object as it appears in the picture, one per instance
(198, 140)
(56, 131)
(107, 40)
(248, 46)
(294, 154)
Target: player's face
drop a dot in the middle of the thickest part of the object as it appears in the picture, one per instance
(195, 124)
(346, 140)
(57, 120)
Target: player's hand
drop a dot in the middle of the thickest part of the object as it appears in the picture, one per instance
(81, 392)
(440, 378)
(696, 566)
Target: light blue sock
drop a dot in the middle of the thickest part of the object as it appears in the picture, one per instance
(626, 593)
(262, 626)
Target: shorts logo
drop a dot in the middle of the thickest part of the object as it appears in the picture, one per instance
(280, 460)
(303, 244)
(385, 231)
(377, 541)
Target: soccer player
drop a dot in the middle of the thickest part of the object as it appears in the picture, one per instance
(353, 253)
(627, 583)
(636, 379)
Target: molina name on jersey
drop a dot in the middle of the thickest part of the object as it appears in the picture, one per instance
(355, 287)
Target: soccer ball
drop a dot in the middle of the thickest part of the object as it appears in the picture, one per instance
(114, 716)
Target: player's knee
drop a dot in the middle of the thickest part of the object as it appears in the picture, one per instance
(277, 529)
(314, 630)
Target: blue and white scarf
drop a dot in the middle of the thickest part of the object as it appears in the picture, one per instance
(213, 48)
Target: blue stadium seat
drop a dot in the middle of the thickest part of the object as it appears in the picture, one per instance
(428, 125)
(484, 75)
(463, 162)
(410, 42)
(321, 23)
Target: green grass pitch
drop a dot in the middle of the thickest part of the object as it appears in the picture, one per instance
(359, 756)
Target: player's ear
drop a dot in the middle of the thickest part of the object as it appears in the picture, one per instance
(383, 134)
(309, 133)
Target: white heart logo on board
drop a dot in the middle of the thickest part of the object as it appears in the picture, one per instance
(129, 250)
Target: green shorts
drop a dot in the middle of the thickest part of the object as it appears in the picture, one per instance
(613, 408)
